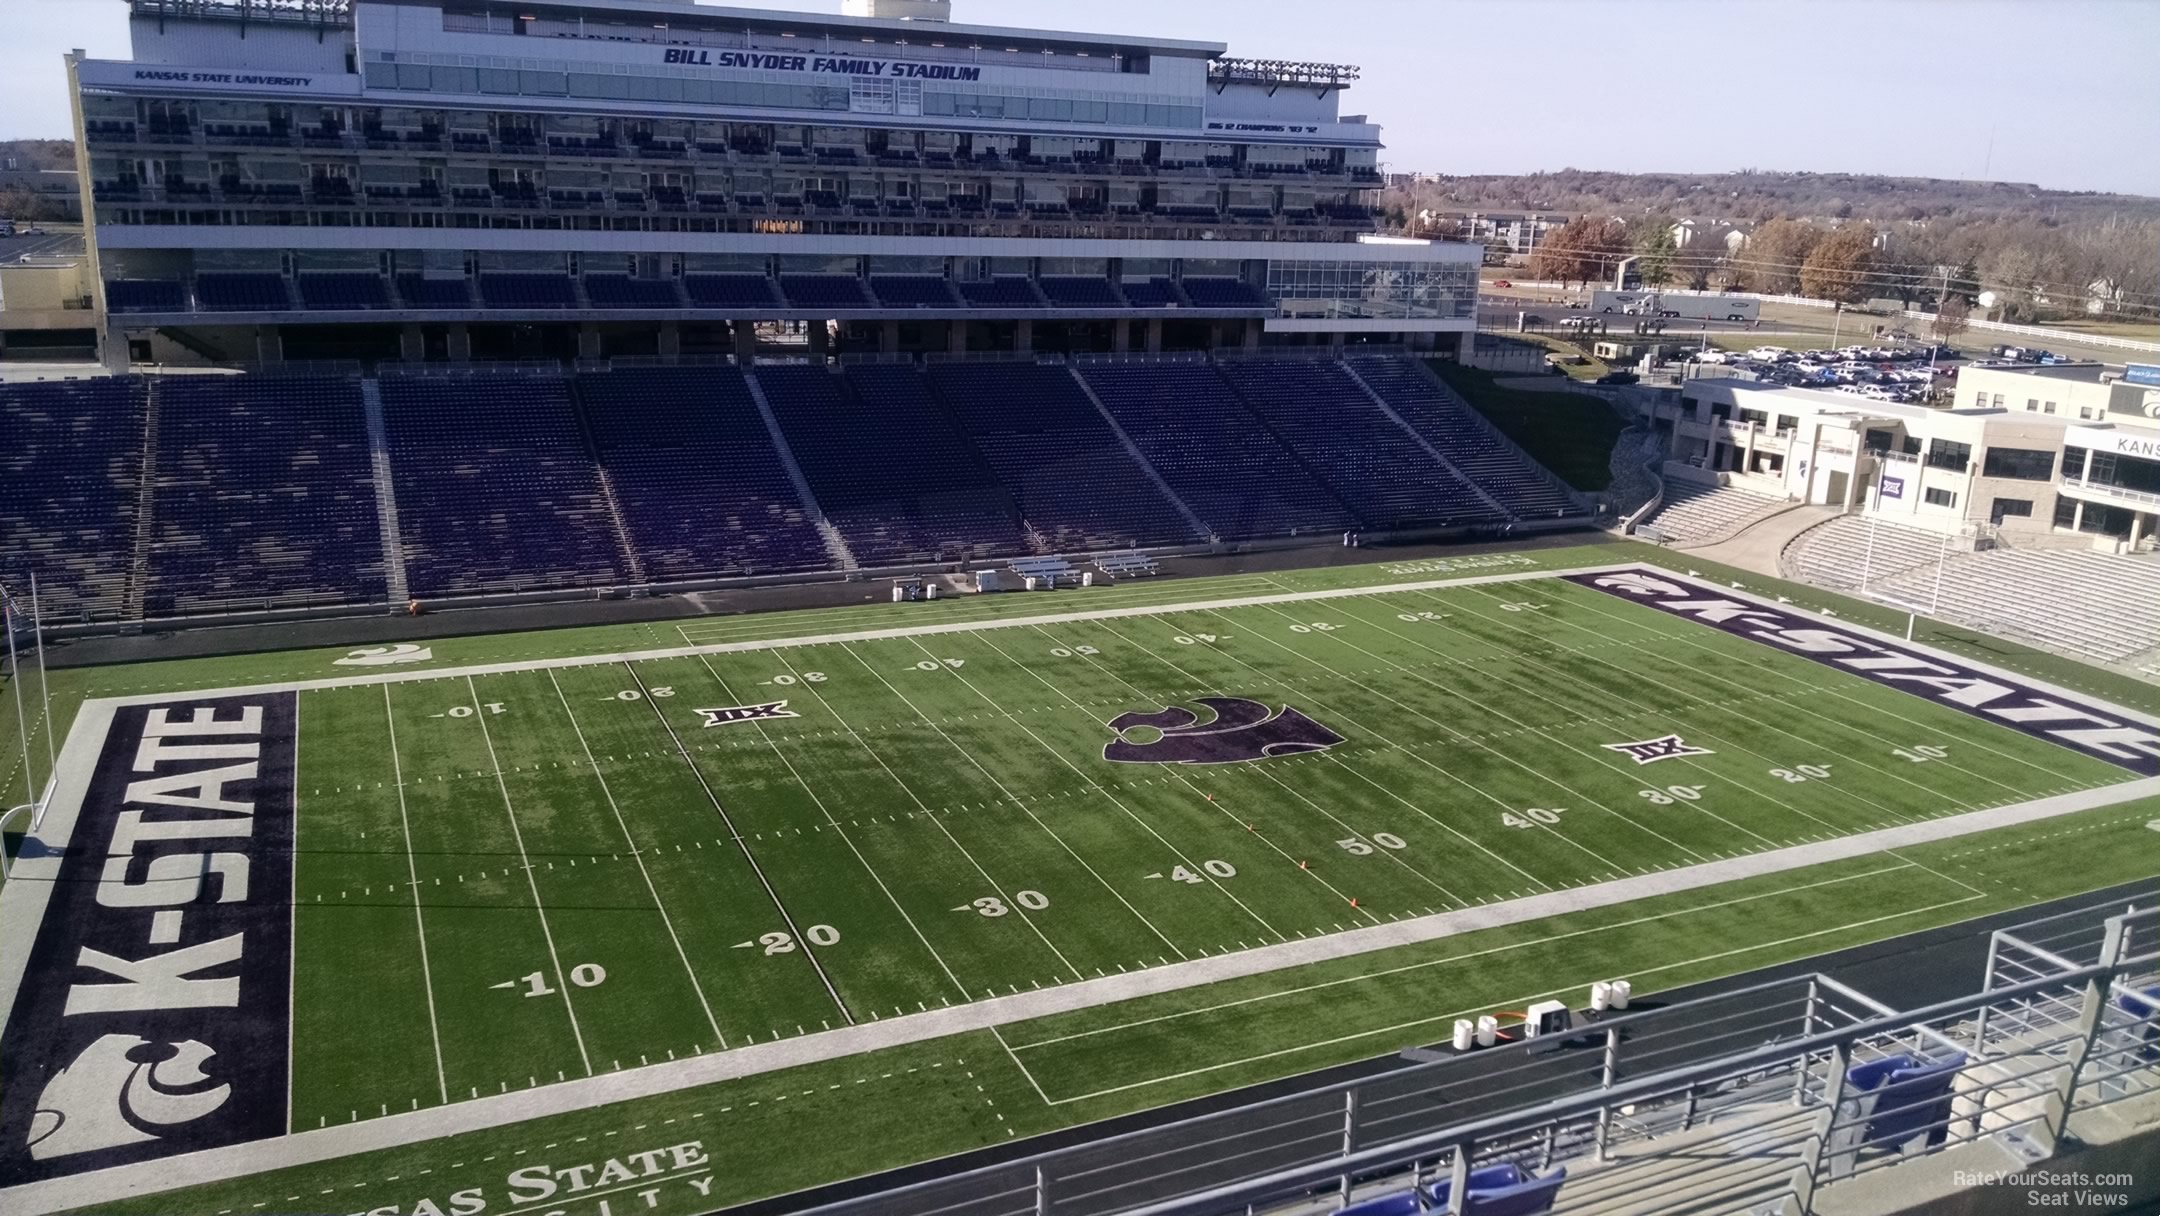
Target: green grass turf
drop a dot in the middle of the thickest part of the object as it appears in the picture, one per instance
(1568, 432)
(938, 826)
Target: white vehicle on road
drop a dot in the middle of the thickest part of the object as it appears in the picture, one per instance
(1686, 306)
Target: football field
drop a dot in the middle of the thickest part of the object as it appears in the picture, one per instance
(519, 875)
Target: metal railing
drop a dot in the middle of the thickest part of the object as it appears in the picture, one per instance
(2102, 489)
(1768, 1095)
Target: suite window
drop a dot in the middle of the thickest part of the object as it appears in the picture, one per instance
(2020, 464)
(2010, 508)
(1950, 454)
(1939, 498)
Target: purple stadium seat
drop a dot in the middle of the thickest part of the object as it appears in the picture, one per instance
(145, 295)
(265, 495)
(887, 466)
(1372, 465)
(339, 291)
(70, 472)
(839, 291)
(495, 489)
(1076, 484)
(702, 490)
(622, 291)
(1228, 468)
(1449, 424)
(730, 291)
(241, 292)
(912, 291)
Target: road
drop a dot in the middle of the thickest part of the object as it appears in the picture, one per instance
(54, 244)
(1781, 322)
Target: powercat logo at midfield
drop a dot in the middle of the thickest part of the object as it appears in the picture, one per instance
(154, 1016)
(2081, 727)
(1240, 731)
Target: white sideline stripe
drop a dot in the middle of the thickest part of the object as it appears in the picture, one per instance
(23, 903)
(858, 635)
(1507, 1003)
(220, 1164)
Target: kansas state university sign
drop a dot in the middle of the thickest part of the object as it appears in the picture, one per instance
(1240, 730)
(152, 1017)
(2057, 718)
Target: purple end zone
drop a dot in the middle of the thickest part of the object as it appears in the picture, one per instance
(154, 1012)
(2078, 725)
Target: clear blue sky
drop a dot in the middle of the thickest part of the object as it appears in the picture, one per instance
(2063, 87)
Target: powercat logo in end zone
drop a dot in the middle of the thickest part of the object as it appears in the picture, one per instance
(152, 1018)
(2084, 728)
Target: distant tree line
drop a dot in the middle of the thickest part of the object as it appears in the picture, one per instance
(2045, 254)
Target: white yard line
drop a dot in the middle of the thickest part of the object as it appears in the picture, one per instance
(1466, 956)
(1693, 765)
(292, 927)
(1516, 1002)
(1483, 707)
(930, 814)
(1655, 627)
(1175, 851)
(1159, 657)
(1845, 757)
(1090, 783)
(1695, 642)
(802, 940)
(25, 903)
(412, 879)
(532, 882)
(638, 855)
(212, 1165)
(1407, 752)
(1011, 901)
(834, 824)
(859, 635)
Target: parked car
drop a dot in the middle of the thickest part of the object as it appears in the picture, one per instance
(1618, 378)
(1502, 283)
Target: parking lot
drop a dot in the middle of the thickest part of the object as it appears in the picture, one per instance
(1878, 373)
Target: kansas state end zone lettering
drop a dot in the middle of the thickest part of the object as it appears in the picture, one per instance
(152, 1017)
(2063, 720)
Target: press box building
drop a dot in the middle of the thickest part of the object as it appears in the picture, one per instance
(444, 179)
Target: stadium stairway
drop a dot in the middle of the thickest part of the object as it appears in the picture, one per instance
(1439, 458)
(397, 589)
(1192, 521)
(138, 581)
(608, 497)
(836, 546)
(1704, 515)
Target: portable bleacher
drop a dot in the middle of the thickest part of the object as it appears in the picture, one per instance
(1040, 571)
(1120, 565)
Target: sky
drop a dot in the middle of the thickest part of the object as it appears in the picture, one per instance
(2057, 92)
